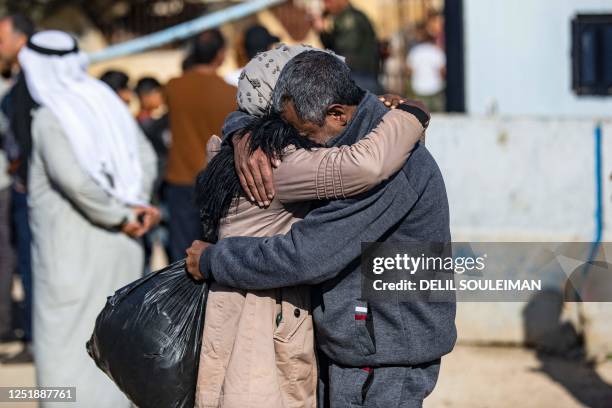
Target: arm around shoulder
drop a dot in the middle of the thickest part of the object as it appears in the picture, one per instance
(340, 172)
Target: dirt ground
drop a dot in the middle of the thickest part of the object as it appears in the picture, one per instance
(479, 377)
(471, 377)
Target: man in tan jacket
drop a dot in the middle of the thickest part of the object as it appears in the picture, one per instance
(198, 102)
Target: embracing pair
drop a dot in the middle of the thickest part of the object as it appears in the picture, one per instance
(331, 166)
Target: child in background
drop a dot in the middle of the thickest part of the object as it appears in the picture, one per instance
(153, 120)
(150, 97)
(118, 81)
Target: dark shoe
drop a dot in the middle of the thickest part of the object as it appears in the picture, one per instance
(23, 357)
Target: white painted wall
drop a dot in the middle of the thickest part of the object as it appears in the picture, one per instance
(518, 57)
(522, 179)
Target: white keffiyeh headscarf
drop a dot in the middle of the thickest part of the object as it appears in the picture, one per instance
(98, 125)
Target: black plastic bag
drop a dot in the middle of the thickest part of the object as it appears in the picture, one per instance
(147, 338)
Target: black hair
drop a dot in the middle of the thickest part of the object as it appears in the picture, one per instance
(258, 39)
(21, 24)
(217, 186)
(207, 46)
(117, 80)
(314, 80)
(146, 85)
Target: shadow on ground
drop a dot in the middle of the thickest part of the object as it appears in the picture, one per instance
(560, 350)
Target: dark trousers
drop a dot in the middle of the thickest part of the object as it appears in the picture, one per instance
(6, 262)
(184, 223)
(23, 239)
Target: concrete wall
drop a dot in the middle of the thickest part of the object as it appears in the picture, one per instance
(523, 179)
(518, 57)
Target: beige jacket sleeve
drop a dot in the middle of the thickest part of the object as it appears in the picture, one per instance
(340, 172)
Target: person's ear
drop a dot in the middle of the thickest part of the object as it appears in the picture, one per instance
(338, 113)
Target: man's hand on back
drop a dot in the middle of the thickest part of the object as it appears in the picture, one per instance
(393, 101)
(254, 171)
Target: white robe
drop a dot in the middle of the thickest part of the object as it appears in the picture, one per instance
(77, 262)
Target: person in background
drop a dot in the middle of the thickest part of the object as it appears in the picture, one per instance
(150, 97)
(435, 28)
(353, 37)
(17, 104)
(256, 39)
(198, 102)
(6, 248)
(118, 81)
(153, 120)
(426, 63)
(91, 176)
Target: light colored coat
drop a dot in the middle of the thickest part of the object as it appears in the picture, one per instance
(78, 260)
(247, 360)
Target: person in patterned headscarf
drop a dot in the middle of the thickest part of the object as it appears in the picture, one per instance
(257, 80)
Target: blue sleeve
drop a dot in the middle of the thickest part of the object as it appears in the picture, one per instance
(317, 248)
